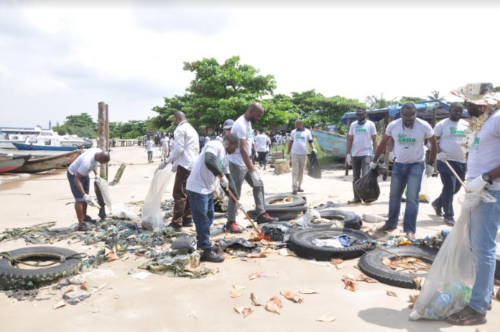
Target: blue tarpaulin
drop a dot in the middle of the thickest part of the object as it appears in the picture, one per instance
(424, 112)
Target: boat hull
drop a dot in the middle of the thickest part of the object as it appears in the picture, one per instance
(24, 146)
(10, 164)
(43, 164)
(331, 144)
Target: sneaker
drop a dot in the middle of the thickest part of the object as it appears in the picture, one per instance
(88, 218)
(232, 227)
(209, 255)
(300, 190)
(176, 227)
(410, 236)
(83, 228)
(188, 222)
(294, 192)
(264, 218)
(436, 209)
(385, 229)
(449, 221)
(354, 201)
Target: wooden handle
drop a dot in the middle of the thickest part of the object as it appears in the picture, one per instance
(455, 173)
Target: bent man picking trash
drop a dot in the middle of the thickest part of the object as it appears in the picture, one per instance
(211, 164)
(79, 181)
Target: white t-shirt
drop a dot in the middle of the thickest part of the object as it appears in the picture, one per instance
(261, 142)
(409, 142)
(484, 153)
(243, 129)
(164, 142)
(149, 145)
(362, 142)
(300, 140)
(452, 136)
(85, 164)
(201, 180)
(218, 139)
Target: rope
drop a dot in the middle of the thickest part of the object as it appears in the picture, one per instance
(14, 261)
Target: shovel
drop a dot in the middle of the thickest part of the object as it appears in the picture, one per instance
(455, 173)
(259, 233)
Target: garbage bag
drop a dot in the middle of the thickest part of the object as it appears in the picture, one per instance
(313, 169)
(184, 242)
(448, 286)
(367, 187)
(152, 217)
(103, 186)
(100, 200)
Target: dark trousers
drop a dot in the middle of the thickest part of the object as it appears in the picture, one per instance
(202, 207)
(150, 156)
(360, 167)
(262, 158)
(182, 209)
(451, 186)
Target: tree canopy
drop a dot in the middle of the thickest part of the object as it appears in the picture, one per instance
(81, 125)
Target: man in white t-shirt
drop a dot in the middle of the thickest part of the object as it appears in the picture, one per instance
(409, 134)
(79, 181)
(211, 164)
(164, 146)
(452, 134)
(299, 139)
(149, 148)
(242, 169)
(262, 143)
(362, 134)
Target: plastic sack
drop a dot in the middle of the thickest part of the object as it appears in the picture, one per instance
(448, 286)
(152, 217)
(313, 170)
(184, 242)
(367, 187)
(103, 186)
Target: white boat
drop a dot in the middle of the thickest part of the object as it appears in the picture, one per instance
(16, 135)
(37, 136)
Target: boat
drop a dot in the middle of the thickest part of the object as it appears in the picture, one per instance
(331, 143)
(37, 147)
(9, 163)
(42, 164)
(10, 135)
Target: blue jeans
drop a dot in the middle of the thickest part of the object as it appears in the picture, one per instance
(202, 208)
(450, 186)
(150, 156)
(410, 176)
(484, 224)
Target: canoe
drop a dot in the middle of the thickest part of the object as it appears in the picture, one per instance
(24, 146)
(8, 164)
(332, 144)
(43, 164)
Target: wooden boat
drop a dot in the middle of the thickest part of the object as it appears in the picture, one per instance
(331, 143)
(8, 164)
(48, 163)
(25, 146)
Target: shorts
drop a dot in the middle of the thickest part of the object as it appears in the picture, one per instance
(76, 193)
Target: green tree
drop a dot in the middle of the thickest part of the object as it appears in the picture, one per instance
(81, 125)
(375, 102)
(414, 100)
(496, 89)
(435, 96)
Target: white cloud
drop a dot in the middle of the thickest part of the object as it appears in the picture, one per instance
(65, 59)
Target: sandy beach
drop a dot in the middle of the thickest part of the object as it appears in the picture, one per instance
(160, 303)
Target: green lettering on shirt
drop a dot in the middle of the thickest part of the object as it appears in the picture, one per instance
(403, 139)
(360, 130)
(457, 133)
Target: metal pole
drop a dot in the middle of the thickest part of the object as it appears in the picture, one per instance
(101, 116)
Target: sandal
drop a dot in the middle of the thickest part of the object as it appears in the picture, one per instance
(466, 316)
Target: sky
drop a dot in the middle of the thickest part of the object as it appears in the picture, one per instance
(58, 59)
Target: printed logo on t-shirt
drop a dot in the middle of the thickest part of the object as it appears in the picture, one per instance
(300, 138)
(249, 134)
(221, 164)
(405, 140)
(454, 133)
(360, 130)
(475, 145)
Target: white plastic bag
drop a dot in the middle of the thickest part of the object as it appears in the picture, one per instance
(152, 217)
(104, 188)
(448, 286)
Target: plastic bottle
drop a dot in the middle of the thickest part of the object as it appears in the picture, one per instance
(441, 304)
(445, 232)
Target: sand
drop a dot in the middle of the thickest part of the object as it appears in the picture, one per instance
(160, 303)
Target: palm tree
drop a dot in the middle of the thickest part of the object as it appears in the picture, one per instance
(378, 102)
(435, 96)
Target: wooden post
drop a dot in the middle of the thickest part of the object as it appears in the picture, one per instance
(107, 136)
(347, 142)
(101, 116)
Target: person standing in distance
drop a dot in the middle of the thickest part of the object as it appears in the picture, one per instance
(241, 168)
(409, 134)
(183, 156)
(362, 134)
(261, 143)
(149, 148)
(299, 138)
(452, 134)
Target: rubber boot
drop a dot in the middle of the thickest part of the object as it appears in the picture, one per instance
(209, 256)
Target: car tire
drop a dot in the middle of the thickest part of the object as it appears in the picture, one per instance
(349, 219)
(296, 201)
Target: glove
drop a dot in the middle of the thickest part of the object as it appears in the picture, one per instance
(442, 156)
(348, 159)
(429, 170)
(256, 181)
(162, 166)
(373, 165)
(224, 182)
(315, 151)
(242, 208)
(391, 156)
(476, 185)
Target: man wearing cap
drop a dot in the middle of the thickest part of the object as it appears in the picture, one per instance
(226, 129)
(451, 133)
(483, 177)
(362, 134)
(409, 134)
(299, 138)
(183, 157)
